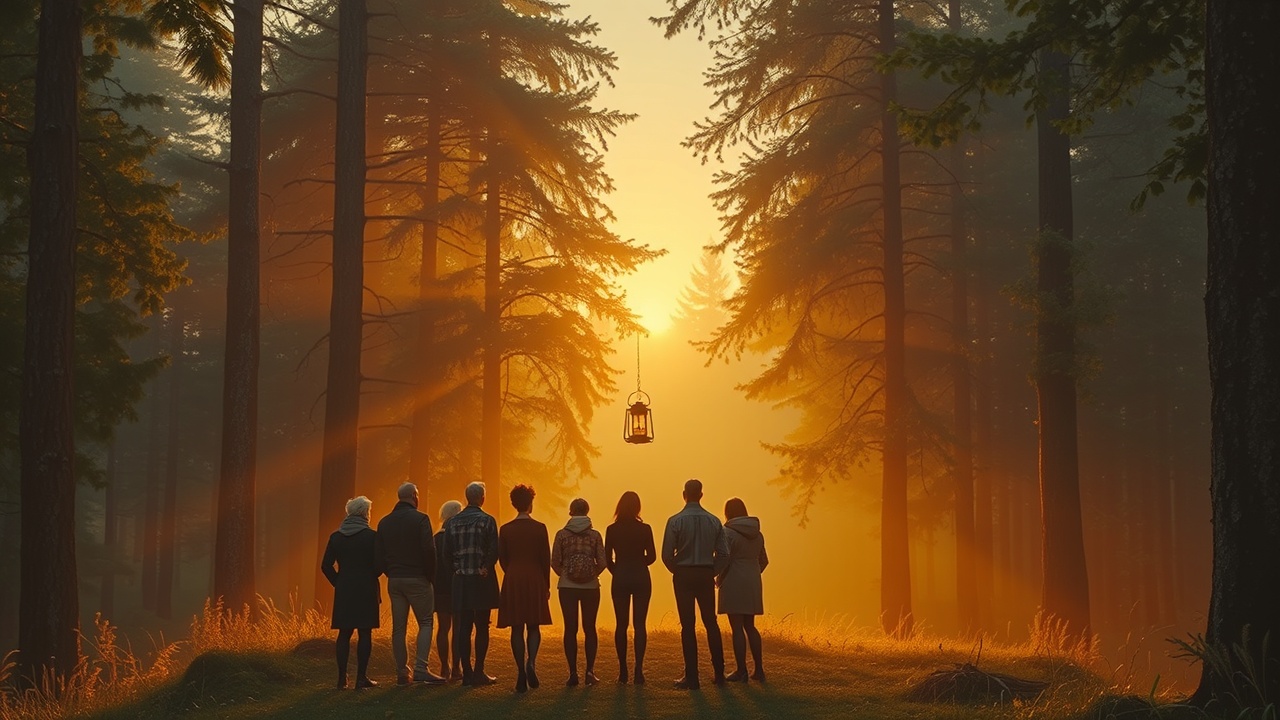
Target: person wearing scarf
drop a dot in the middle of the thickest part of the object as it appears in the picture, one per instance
(350, 564)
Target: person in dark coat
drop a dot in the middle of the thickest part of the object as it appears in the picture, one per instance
(356, 595)
(628, 552)
(407, 555)
(444, 598)
(741, 591)
(525, 555)
(471, 548)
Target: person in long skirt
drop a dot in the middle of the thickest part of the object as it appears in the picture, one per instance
(525, 556)
(741, 589)
(443, 588)
(577, 556)
(350, 564)
(629, 551)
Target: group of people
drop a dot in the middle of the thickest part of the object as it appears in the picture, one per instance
(451, 574)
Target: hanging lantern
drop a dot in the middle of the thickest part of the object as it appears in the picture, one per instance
(637, 427)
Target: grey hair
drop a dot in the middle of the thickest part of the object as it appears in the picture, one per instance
(407, 491)
(475, 493)
(449, 509)
(359, 506)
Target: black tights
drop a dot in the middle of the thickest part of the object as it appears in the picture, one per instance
(743, 629)
(364, 645)
(589, 600)
(464, 620)
(631, 600)
(444, 623)
(519, 645)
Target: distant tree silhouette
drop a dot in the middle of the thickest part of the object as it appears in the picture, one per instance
(700, 308)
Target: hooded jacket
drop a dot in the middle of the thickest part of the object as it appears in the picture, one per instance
(578, 537)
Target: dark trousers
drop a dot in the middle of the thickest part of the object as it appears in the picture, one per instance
(588, 601)
(471, 609)
(698, 584)
(630, 602)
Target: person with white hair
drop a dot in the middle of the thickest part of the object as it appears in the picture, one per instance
(407, 555)
(350, 563)
(471, 548)
(444, 598)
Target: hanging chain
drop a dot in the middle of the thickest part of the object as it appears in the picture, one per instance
(637, 362)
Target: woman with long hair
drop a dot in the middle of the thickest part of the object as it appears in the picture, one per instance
(629, 551)
(741, 590)
(523, 606)
(356, 593)
(577, 556)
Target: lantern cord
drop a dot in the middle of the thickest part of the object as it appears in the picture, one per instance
(637, 362)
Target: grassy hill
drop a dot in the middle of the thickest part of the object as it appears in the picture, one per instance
(815, 676)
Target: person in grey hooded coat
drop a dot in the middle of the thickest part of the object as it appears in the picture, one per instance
(741, 589)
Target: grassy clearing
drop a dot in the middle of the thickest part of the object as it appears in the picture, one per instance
(232, 667)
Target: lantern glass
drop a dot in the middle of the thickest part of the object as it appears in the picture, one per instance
(638, 423)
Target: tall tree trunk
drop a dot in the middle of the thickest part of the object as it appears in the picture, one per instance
(168, 537)
(233, 571)
(895, 551)
(1243, 312)
(346, 322)
(110, 534)
(491, 391)
(48, 606)
(151, 503)
(1065, 588)
(427, 380)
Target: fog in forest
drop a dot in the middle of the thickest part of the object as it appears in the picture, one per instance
(791, 422)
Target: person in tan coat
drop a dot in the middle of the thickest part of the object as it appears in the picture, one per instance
(741, 589)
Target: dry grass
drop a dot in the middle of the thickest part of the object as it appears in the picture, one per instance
(111, 674)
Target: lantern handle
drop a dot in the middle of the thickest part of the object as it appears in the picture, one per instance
(637, 362)
(638, 395)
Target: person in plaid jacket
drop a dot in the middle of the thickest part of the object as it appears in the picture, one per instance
(471, 548)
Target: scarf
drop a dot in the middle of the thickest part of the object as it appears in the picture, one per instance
(354, 524)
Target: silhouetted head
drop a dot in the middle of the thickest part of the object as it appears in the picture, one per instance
(628, 506)
(408, 492)
(449, 509)
(475, 493)
(579, 506)
(522, 498)
(359, 506)
(734, 507)
(693, 490)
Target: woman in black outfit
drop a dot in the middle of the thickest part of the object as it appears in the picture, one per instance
(629, 551)
(356, 593)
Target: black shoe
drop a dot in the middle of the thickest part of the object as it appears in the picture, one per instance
(402, 680)
(479, 678)
(639, 679)
(572, 681)
(737, 676)
(364, 682)
(758, 675)
(342, 681)
(718, 679)
(532, 675)
(429, 678)
(522, 683)
(686, 684)
(590, 678)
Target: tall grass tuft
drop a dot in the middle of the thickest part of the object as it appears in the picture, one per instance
(109, 673)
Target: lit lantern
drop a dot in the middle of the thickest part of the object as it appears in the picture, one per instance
(637, 427)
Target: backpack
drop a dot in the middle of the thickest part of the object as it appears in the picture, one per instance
(580, 558)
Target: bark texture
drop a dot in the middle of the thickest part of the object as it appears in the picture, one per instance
(233, 570)
(1242, 307)
(48, 605)
(1065, 591)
